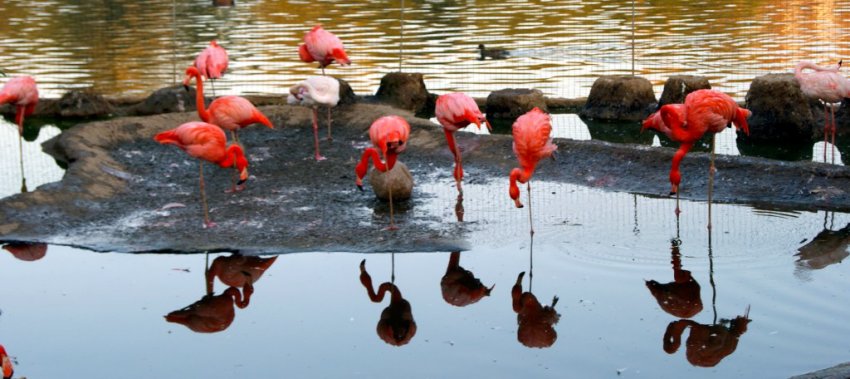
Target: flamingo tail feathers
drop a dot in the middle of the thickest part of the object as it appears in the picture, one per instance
(740, 119)
(340, 56)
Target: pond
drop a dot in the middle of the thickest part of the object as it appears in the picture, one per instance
(763, 291)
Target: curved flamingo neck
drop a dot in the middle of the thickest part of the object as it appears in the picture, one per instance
(675, 174)
(363, 166)
(232, 156)
(518, 175)
(199, 97)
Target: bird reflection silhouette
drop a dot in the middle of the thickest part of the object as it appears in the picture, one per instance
(535, 322)
(6, 364)
(396, 326)
(707, 345)
(26, 251)
(460, 287)
(214, 313)
(826, 248)
(681, 297)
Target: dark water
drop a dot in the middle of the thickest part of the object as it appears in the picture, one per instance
(75, 313)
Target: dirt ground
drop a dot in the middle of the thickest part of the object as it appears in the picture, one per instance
(123, 192)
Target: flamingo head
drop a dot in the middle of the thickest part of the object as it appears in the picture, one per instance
(395, 142)
(191, 72)
(240, 162)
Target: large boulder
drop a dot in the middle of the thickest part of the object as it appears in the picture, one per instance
(678, 86)
(508, 104)
(619, 98)
(404, 90)
(398, 179)
(346, 94)
(781, 112)
(85, 103)
(167, 100)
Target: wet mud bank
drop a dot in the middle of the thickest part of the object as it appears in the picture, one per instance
(123, 192)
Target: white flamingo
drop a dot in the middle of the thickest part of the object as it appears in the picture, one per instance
(313, 92)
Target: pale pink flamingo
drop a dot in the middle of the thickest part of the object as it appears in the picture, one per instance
(313, 92)
(704, 111)
(532, 142)
(827, 85)
(22, 93)
(324, 47)
(207, 143)
(212, 62)
(455, 111)
(389, 134)
(228, 112)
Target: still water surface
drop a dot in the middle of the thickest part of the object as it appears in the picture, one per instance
(80, 314)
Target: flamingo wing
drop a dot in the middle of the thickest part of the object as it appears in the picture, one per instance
(532, 140)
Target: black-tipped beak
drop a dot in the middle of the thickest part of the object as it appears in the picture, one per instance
(555, 155)
(672, 193)
(186, 87)
(241, 182)
(360, 187)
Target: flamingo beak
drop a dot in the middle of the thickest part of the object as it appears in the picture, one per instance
(243, 177)
(489, 127)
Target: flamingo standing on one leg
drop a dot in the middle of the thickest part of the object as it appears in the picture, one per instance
(212, 62)
(324, 47)
(22, 93)
(312, 92)
(456, 111)
(827, 85)
(207, 143)
(6, 364)
(228, 112)
(704, 111)
(389, 134)
(531, 144)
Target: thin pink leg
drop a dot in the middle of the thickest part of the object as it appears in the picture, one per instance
(319, 157)
(834, 127)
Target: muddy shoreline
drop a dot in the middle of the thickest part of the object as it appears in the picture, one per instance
(120, 187)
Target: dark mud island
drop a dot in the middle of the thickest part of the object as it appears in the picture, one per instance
(124, 192)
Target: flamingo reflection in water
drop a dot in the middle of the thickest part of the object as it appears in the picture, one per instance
(707, 345)
(826, 248)
(460, 287)
(396, 326)
(6, 362)
(26, 251)
(214, 313)
(681, 297)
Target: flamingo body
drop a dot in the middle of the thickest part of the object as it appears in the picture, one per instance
(322, 46)
(313, 92)
(456, 111)
(389, 134)
(704, 111)
(212, 61)
(22, 93)
(228, 112)
(532, 142)
(827, 85)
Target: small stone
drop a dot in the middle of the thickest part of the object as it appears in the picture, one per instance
(399, 179)
(404, 90)
(677, 87)
(620, 98)
(510, 103)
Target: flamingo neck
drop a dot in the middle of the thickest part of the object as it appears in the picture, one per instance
(518, 175)
(199, 97)
(454, 261)
(233, 155)
(234, 294)
(363, 166)
(675, 174)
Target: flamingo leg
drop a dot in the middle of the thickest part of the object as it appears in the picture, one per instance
(711, 171)
(330, 121)
(21, 158)
(323, 70)
(212, 85)
(458, 170)
(233, 187)
(316, 133)
(833, 129)
(207, 223)
(530, 225)
(392, 219)
(825, 130)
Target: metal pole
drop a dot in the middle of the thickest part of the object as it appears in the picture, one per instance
(401, 43)
(174, 41)
(633, 37)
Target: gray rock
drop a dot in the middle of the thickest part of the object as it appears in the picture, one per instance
(346, 94)
(404, 90)
(85, 103)
(510, 103)
(166, 100)
(621, 98)
(781, 112)
(841, 371)
(398, 179)
(678, 86)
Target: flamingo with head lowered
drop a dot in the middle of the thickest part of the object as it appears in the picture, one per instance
(207, 143)
(324, 47)
(212, 62)
(22, 93)
(704, 111)
(228, 112)
(313, 92)
(389, 135)
(827, 85)
(532, 142)
(456, 111)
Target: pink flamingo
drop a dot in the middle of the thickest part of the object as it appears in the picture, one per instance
(312, 92)
(324, 47)
(827, 85)
(22, 93)
(212, 62)
(704, 111)
(207, 143)
(389, 134)
(6, 364)
(531, 144)
(455, 111)
(228, 112)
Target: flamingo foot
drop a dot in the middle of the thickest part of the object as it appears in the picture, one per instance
(390, 228)
(209, 224)
(320, 158)
(236, 188)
